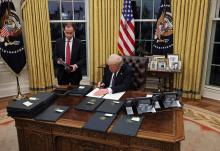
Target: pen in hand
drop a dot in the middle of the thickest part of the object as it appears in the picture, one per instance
(101, 85)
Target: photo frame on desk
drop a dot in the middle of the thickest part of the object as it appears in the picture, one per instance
(162, 64)
(172, 57)
(150, 58)
(156, 57)
(153, 65)
(175, 65)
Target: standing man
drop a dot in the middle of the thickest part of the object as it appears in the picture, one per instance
(70, 52)
(117, 76)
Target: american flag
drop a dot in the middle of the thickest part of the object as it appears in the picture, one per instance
(126, 41)
(4, 31)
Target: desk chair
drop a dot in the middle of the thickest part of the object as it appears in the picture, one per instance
(139, 67)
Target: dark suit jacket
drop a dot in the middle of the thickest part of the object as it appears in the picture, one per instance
(124, 79)
(78, 56)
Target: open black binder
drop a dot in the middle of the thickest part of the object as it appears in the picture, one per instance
(126, 126)
(110, 106)
(52, 113)
(89, 104)
(99, 122)
(81, 90)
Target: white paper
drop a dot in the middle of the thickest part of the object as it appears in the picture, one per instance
(149, 95)
(27, 103)
(157, 105)
(178, 103)
(115, 96)
(33, 98)
(59, 110)
(129, 110)
(92, 93)
(108, 115)
(81, 87)
(153, 110)
(136, 119)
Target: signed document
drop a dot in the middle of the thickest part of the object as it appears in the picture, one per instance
(115, 96)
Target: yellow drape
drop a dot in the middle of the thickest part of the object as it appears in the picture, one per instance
(38, 45)
(190, 17)
(104, 18)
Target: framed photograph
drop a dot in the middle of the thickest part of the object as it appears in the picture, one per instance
(175, 65)
(150, 58)
(162, 65)
(153, 65)
(156, 57)
(172, 57)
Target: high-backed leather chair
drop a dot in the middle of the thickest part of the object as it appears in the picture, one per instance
(139, 67)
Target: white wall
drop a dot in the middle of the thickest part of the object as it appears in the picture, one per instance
(8, 84)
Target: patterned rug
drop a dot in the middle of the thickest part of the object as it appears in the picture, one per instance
(202, 117)
(202, 130)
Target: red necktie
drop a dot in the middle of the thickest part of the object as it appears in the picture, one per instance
(68, 52)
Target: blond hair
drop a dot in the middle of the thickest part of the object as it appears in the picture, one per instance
(115, 59)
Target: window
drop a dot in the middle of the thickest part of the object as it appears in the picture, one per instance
(62, 11)
(145, 14)
(213, 69)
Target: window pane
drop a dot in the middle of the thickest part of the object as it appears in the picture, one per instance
(137, 31)
(215, 76)
(147, 8)
(146, 30)
(79, 11)
(217, 31)
(54, 10)
(216, 54)
(136, 7)
(156, 8)
(67, 13)
(143, 47)
(55, 30)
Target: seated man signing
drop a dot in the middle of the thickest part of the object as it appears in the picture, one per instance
(117, 76)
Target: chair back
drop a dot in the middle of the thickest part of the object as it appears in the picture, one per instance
(139, 67)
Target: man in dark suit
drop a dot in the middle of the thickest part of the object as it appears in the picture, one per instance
(117, 76)
(72, 52)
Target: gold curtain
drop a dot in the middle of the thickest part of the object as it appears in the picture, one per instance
(190, 20)
(104, 18)
(38, 45)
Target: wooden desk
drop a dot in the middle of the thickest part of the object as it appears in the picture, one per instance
(162, 131)
(164, 75)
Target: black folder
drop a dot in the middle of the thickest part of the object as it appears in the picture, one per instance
(52, 113)
(126, 126)
(81, 90)
(110, 106)
(43, 100)
(89, 104)
(99, 122)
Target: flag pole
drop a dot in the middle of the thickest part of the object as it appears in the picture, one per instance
(19, 95)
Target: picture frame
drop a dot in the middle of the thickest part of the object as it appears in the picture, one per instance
(150, 58)
(175, 65)
(172, 57)
(153, 65)
(156, 57)
(162, 64)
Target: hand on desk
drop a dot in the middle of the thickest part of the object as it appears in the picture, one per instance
(101, 92)
(101, 85)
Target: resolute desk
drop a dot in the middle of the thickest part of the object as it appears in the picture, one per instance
(162, 131)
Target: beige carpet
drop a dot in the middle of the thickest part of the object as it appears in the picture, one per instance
(202, 131)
